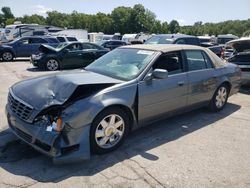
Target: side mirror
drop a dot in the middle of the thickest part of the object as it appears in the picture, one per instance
(160, 73)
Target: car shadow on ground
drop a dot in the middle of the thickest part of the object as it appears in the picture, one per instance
(34, 69)
(19, 159)
(245, 89)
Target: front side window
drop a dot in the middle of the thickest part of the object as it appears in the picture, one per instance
(172, 62)
(74, 47)
(124, 64)
(195, 60)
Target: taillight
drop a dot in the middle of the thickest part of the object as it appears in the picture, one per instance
(222, 53)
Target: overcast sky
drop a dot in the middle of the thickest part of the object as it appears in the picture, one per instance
(185, 11)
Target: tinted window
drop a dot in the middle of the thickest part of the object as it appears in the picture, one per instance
(37, 40)
(61, 39)
(90, 46)
(171, 62)
(71, 39)
(192, 41)
(195, 60)
(53, 40)
(118, 43)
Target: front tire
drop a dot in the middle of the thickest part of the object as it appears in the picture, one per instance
(7, 56)
(108, 130)
(52, 65)
(219, 99)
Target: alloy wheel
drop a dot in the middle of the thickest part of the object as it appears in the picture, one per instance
(109, 131)
(52, 65)
(221, 97)
(7, 56)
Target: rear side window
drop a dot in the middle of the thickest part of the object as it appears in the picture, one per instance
(207, 60)
(195, 60)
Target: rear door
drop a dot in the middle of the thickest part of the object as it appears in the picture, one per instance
(202, 76)
(161, 96)
(22, 48)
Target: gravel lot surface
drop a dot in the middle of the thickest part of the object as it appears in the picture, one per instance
(197, 149)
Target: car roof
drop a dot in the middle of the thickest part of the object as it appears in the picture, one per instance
(163, 47)
(176, 36)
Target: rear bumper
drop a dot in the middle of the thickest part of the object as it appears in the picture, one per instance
(52, 144)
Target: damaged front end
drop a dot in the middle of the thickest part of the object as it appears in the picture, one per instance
(54, 118)
(52, 135)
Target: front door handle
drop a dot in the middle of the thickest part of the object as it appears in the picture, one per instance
(181, 83)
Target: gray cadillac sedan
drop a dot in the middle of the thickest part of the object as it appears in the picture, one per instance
(70, 115)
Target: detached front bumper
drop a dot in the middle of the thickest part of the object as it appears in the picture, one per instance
(70, 145)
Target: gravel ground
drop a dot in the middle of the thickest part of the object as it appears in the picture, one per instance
(196, 149)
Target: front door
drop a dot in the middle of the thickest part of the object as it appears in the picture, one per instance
(73, 58)
(160, 96)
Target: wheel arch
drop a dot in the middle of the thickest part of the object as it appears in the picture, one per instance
(123, 107)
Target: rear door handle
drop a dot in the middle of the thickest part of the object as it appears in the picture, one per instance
(181, 83)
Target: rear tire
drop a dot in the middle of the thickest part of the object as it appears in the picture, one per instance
(219, 99)
(7, 56)
(108, 130)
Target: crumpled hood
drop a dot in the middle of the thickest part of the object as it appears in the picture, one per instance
(56, 89)
(47, 49)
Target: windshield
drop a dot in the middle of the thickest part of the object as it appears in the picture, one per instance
(124, 64)
(159, 40)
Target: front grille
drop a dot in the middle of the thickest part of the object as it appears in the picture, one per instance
(21, 109)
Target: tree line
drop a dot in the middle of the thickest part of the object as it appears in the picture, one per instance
(127, 20)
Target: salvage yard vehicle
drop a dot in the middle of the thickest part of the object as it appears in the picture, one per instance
(67, 56)
(112, 44)
(24, 47)
(70, 115)
(242, 59)
(173, 39)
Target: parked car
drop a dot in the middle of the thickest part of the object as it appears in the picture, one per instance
(223, 39)
(242, 59)
(112, 44)
(173, 39)
(67, 56)
(218, 50)
(24, 47)
(70, 115)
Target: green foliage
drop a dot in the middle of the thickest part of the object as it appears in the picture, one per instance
(127, 20)
(174, 26)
